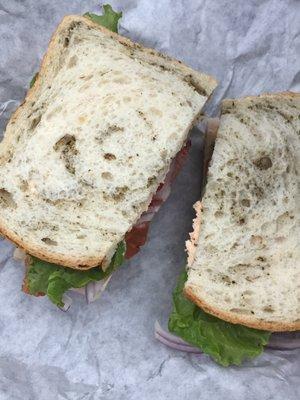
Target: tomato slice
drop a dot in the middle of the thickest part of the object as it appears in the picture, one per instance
(137, 236)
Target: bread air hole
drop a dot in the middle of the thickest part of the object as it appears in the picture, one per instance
(67, 147)
(164, 154)
(268, 309)
(107, 175)
(245, 203)
(23, 186)
(49, 241)
(52, 113)
(123, 81)
(247, 293)
(119, 193)
(173, 137)
(240, 311)
(66, 42)
(226, 279)
(35, 122)
(103, 82)
(109, 156)
(77, 40)
(218, 214)
(280, 239)
(263, 163)
(72, 62)
(155, 111)
(88, 77)
(6, 199)
(151, 181)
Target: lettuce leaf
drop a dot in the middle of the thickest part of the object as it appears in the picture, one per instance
(54, 280)
(226, 343)
(109, 19)
(32, 82)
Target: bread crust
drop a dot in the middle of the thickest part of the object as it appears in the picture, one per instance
(263, 96)
(233, 318)
(63, 260)
(203, 84)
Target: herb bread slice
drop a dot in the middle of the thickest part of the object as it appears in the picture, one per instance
(246, 268)
(92, 141)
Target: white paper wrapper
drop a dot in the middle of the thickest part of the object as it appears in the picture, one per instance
(106, 350)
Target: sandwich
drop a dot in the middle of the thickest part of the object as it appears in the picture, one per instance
(242, 277)
(89, 156)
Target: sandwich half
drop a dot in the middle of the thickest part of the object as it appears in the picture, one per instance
(243, 272)
(247, 263)
(91, 144)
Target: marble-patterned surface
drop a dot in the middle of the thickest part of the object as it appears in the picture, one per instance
(107, 350)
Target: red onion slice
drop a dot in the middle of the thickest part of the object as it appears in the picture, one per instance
(177, 346)
(93, 290)
(284, 341)
(173, 341)
(167, 335)
(278, 341)
(79, 290)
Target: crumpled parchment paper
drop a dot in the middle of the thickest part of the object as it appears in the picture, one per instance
(107, 350)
